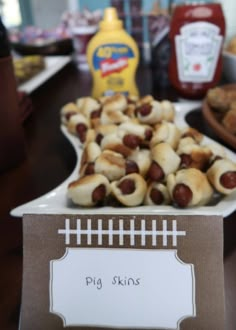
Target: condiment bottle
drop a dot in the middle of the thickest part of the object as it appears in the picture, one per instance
(12, 147)
(113, 58)
(196, 33)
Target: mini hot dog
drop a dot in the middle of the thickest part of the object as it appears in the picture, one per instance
(164, 161)
(89, 190)
(166, 132)
(67, 111)
(142, 158)
(111, 164)
(189, 187)
(78, 125)
(222, 175)
(157, 194)
(194, 155)
(130, 190)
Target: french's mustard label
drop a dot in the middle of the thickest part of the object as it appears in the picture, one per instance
(112, 58)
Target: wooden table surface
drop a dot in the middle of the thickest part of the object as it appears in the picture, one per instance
(49, 160)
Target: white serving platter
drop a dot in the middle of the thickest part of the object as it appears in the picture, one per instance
(56, 201)
(53, 64)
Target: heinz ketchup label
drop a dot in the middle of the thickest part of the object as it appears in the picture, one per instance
(198, 48)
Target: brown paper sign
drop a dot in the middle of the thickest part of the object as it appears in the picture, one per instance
(122, 272)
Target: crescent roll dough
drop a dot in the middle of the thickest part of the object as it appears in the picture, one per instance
(89, 154)
(87, 105)
(164, 155)
(117, 102)
(67, 111)
(166, 132)
(168, 110)
(113, 117)
(111, 164)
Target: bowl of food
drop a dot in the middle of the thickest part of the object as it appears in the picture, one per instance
(58, 47)
(219, 110)
(36, 41)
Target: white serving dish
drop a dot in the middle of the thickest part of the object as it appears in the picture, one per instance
(56, 202)
(53, 64)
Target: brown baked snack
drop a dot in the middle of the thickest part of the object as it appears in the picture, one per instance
(219, 99)
(229, 121)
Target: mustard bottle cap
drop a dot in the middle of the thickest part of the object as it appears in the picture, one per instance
(110, 20)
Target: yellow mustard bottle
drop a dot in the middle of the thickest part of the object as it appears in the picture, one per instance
(113, 57)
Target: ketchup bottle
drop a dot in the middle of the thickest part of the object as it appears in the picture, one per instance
(12, 147)
(196, 34)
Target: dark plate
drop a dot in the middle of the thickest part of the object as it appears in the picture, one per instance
(215, 122)
(59, 47)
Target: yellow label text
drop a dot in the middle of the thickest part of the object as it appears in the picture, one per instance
(107, 51)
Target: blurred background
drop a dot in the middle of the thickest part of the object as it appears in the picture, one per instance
(47, 14)
(139, 17)
(45, 27)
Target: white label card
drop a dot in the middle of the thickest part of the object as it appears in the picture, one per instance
(125, 288)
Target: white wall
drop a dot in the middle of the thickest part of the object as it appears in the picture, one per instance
(229, 7)
(47, 14)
